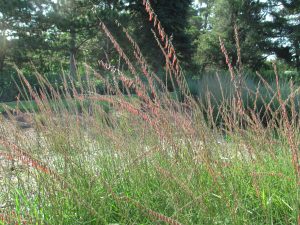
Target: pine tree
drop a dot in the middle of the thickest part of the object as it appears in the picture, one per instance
(79, 20)
(20, 21)
(174, 17)
(286, 23)
(248, 17)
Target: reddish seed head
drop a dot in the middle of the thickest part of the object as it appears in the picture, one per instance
(151, 16)
(167, 43)
(155, 21)
(174, 60)
(177, 68)
(159, 27)
(163, 35)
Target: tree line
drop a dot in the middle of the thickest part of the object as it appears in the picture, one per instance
(55, 34)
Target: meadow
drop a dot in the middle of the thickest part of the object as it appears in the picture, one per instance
(143, 154)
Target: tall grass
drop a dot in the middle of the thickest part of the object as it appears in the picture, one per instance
(152, 157)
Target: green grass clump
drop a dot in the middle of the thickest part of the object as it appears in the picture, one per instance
(24, 106)
(82, 170)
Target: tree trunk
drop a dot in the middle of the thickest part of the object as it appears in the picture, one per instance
(73, 69)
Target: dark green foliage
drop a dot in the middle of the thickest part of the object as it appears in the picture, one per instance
(248, 16)
(59, 36)
(174, 17)
(286, 30)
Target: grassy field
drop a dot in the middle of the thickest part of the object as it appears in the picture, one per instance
(155, 158)
(84, 165)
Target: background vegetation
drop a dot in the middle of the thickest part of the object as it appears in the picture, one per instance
(51, 35)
